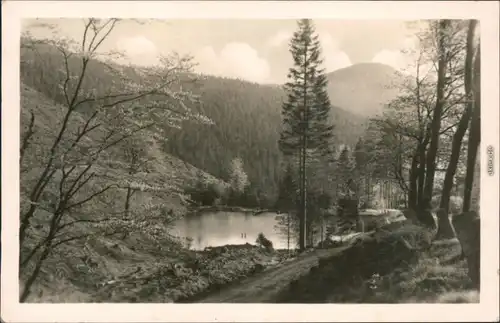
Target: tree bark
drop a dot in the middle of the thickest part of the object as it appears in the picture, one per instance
(421, 174)
(288, 232)
(445, 230)
(412, 193)
(303, 224)
(127, 200)
(369, 191)
(467, 226)
(474, 135)
(438, 111)
(36, 271)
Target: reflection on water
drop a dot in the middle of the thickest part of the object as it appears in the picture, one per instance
(222, 228)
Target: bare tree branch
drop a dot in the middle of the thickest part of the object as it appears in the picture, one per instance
(27, 136)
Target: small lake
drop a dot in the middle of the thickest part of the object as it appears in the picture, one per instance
(222, 228)
(213, 229)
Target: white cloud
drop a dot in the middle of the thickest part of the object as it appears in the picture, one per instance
(403, 59)
(334, 58)
(279, 39)
(238, 60)
(392, 58)
(138, 50)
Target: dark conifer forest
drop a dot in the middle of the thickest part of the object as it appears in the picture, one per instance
(246, 116)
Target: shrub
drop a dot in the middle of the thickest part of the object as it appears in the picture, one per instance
(207, 193)
(262, 241)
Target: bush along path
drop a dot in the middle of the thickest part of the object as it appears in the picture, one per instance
(264, 287)
(388, 267)
(197, 273)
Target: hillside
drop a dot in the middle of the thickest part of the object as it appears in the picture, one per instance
(247, 120)
(247, 116)
(363, 88)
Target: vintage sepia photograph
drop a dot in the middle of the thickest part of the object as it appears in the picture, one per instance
(266, 161)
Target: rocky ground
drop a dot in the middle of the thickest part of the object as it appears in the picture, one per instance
(198, 273)
(132, 276)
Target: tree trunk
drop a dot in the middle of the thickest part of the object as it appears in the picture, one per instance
(413, 191)
(369, 192)
(468, 229)
(445, 230)
(322, 229)
(421, 175)
(438, 111)
(300, 199)
(304, 197)
(474, 136)
(36, 271)
(288, 232)
(303, 224)
(127, 200)
(422, 208)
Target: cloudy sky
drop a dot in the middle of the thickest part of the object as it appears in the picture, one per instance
(254, 50)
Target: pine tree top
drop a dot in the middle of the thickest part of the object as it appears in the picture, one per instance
(306, 111)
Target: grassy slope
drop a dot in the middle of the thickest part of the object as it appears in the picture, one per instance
(65, 276)
(395, 265)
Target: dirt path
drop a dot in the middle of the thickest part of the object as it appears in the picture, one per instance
(264, 287)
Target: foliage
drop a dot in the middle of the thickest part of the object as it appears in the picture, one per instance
(68, 177)
(246, 115)
(306, 110)
(394, 266)
(288, 191)
(248, 122)
(264, 242)
(412, 140)
(206, 192)
(288, 221)
(238, 179)
(306, 125)
(345, 173)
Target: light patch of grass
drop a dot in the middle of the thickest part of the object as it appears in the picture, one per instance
(470, 296)
(429, 281)
(438, 276)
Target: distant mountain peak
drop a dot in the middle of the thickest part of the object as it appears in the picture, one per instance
(363, 88)
(365, 67)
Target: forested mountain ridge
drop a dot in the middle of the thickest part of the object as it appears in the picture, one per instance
(247, 120)
(160, 170)
(364, 88)
(247, 116)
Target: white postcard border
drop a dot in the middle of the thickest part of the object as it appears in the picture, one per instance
(14, 11)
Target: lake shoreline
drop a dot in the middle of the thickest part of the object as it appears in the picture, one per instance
(225, 208)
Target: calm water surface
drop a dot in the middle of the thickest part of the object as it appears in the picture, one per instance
(222, 228)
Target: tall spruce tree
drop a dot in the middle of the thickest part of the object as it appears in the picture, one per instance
(287, 203)
(306, 127)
